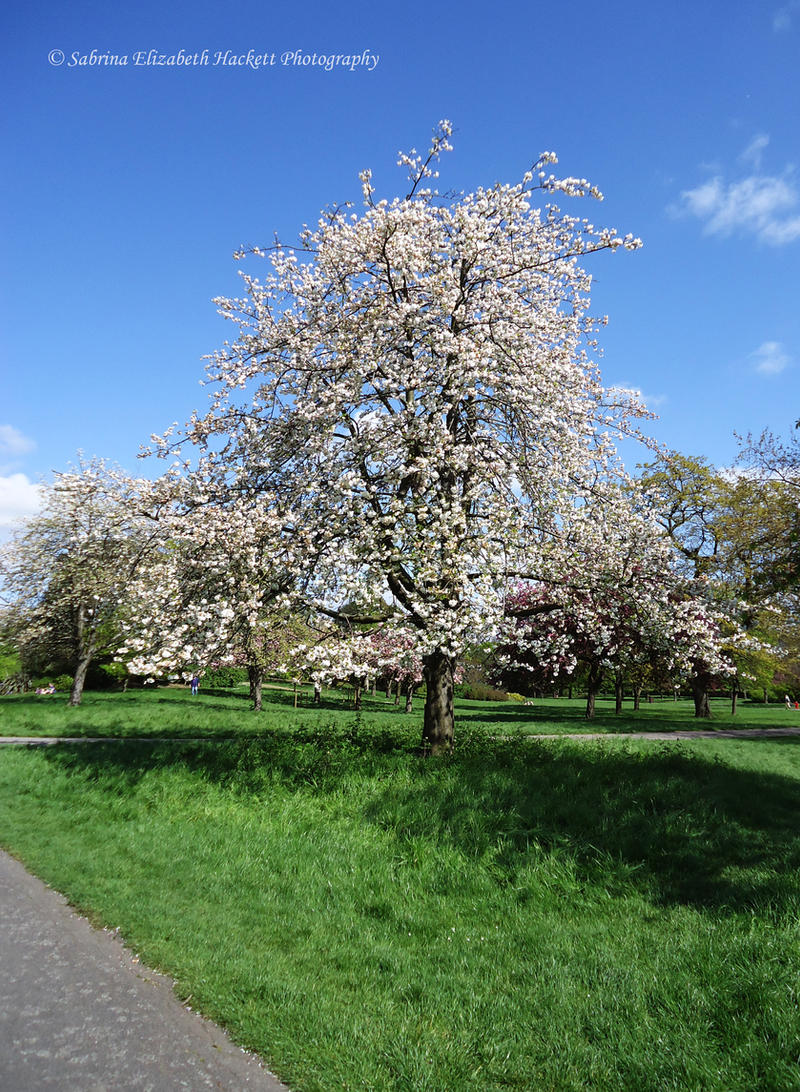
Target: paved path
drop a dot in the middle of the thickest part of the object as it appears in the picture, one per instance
(78, 1013)
(719, 733)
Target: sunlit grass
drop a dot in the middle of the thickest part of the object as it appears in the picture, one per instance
(549, 915)
(173, 712)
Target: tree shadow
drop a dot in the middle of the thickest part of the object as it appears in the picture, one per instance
(680, 827)
(673, 825)
(571, 719)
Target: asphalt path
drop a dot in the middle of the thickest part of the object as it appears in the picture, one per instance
(79, 1013)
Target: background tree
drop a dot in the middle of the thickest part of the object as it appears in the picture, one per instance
(773, 480)
(718, 523)
(67, 572)
(633, 615)
(687, 495)
(220, 589)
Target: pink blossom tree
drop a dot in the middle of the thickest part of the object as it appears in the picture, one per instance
(626, 608)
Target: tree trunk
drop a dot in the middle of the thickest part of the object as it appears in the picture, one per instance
(637, 698)
(699, 684)
(593, 680)
(79, 677)
(357, 696)
(255, 675)
(388, 689)
(397, 692)
(410, 697)
(734, 694)
(438, 721)
(84, 632)
(766, 696)
(618, 693)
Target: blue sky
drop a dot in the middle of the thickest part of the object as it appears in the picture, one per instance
(127, 189)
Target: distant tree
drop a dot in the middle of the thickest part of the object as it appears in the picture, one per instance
(719, 524)
(771, 537)
(220, 590)
(67, 571)
(634, 615)
(687, 494)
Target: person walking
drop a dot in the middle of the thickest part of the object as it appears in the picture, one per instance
(195, 684)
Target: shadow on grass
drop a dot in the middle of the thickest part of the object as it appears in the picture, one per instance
(678, 827)
(570, 718)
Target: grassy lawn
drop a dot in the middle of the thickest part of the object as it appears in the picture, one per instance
(173, 712)
(560, 915)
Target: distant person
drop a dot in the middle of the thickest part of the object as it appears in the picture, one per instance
(788, 701)
(195, 684)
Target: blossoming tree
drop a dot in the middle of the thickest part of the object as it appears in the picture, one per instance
(416, 382)
(633, 613)
(67, 572)
(219, 589)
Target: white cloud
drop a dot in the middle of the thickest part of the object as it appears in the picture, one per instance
(759, 205)
(782, 18)
(12, 442)
(19, 498)
(770, 358)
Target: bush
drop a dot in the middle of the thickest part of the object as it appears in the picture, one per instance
(107, 676)
(482, 692)
(9, 662)
(223, 676)
(63, 682)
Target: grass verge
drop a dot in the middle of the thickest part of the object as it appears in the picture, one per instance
(554, 915)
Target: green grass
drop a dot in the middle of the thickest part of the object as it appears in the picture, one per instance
(553, 915)
(174, 712)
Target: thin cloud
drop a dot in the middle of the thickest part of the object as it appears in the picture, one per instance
(761, 205)
(770, 358)
(12, 441)
(783, 17)
(753, 152)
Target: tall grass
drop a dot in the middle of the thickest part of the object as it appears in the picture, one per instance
(528, 915)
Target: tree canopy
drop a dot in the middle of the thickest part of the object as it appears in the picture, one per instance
(413, 389)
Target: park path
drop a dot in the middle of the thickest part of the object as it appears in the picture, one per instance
(79, 1013)
(700, 733)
